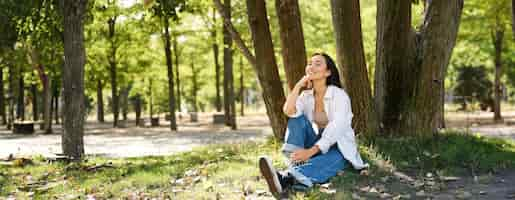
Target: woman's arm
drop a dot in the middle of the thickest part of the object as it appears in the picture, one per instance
(290, 106)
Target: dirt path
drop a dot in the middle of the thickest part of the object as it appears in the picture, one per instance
(102, 139)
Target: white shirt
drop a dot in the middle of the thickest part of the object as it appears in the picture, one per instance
(338, 130)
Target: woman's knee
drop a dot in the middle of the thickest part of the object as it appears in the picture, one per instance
(297, 122)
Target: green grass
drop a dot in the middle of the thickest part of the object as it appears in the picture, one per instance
(230, 171)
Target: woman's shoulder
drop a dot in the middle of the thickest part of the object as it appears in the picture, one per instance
(338, 92)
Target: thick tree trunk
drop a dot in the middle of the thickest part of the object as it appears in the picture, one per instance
(113, 71)
(168, 54)
(411, 66)
(73, 78)
(292, 40)
(229, 102)
(2, 98)
(177, 79)
(100, 101)
(266, 66)
(351, 61)
(218, 102)
(497, 38)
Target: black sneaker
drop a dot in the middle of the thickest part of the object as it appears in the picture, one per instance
(271, 177)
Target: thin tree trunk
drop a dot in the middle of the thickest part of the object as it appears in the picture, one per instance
(168, 54)
(177, 79)
(194, 87)
(56, 95)
(100, 101)
(292, 40)
(411, 66)
(21, 97)
(351, 61)
(73, 77)
(113, 71)
(34, 91)
(218, 102)
(137, 109)
(47, 105)
(2, 98)
(497, 38)
(242, 89)
(124, 94)
(266, 66)
(151, 99)
(11, 98)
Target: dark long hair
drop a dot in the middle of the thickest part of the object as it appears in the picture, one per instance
(334, 78)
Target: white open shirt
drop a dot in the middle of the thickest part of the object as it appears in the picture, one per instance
(338, 130)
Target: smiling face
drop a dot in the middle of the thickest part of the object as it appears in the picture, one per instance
(317, 68)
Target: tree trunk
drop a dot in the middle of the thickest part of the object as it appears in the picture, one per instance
(242, 89)
(229, 102)
(218, 102)
(113, 71)
(177, 79)
(2, 98)
(100, 101)
(168, 54)
(21, 97)
(124, 94)
(137, 109)
(47, 105)
(411, 66)
(292, 40)
(497, 38)
(73, 78)
(56, 95)
(351, 61)
(151, 99)
(10, 98)
(34, 91)
(194, 87)
(266, 66)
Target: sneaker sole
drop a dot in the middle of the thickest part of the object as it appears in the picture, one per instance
(270, 176)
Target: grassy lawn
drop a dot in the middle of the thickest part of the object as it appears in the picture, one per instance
(230, 172)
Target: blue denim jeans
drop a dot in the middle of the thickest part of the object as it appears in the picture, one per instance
(319, 168)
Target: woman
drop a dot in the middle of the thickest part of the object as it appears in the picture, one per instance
(319, 139)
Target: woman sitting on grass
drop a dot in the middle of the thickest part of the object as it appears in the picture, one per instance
(319, 139)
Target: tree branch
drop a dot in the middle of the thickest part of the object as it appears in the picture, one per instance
(234, 34)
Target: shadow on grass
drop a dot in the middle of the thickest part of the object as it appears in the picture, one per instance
(449, 152)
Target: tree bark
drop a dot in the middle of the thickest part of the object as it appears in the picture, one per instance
(266, 66)
(56, 95)
(411, 66)
(100, 101)
(194, 87)
(177, 79)
(229, 102)
(2, 98)
(218, 102)
(34, 91)
(352, 66)
(21, 97)
(47, 105)
(113, 71)
(292, 40)
(168, 54)
(137, 109)
(242, 89)
(73, 77)
(10, 94)
(497, 38)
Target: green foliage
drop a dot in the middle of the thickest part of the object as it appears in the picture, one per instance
(473, 85)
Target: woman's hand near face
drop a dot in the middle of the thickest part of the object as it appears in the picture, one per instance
(305, 81)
